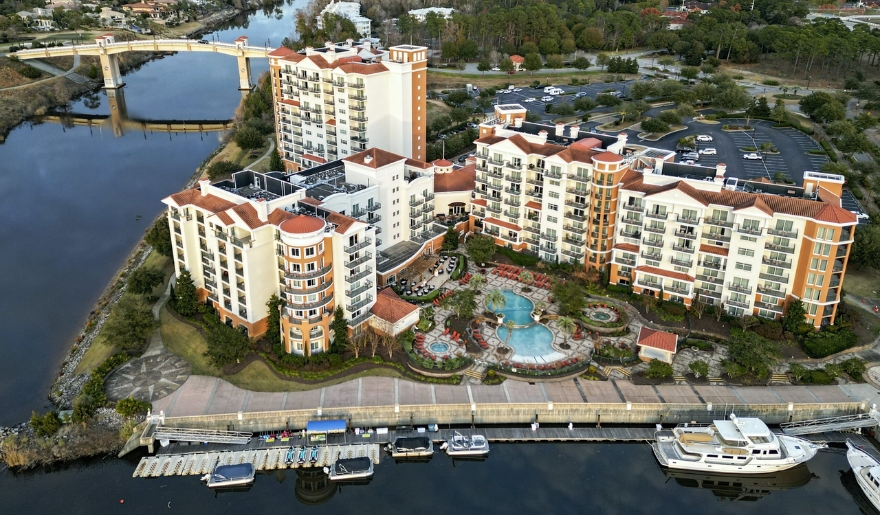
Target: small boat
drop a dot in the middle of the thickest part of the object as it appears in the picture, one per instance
(290, 455)
(411, 447)
(350, 469)
(229, 476)
(735, 446)
(303, 453)
(313, 456)
(461, 445)
(866, 468)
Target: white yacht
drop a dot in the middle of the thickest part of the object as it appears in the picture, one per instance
(461, 445)
(735, 446)
(866, 468)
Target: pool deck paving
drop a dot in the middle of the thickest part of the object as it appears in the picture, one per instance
(202, 395)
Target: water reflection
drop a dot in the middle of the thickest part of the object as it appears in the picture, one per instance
(730, 487)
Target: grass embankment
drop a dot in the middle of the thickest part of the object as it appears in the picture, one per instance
(101, 349)
(187, 342)
(862, 282)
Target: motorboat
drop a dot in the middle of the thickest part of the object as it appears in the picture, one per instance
(303, 454)
(461, 445)
(745, 487)
(734, 446)
(290, 456)
(229, 476)
(313, 455)
(350, 469)
(411, 447)
(866, 469)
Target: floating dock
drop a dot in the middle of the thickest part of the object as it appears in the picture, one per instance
(200, 463)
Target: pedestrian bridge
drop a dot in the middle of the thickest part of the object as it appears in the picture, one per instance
(107, 49)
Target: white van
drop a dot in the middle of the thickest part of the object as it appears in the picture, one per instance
(549, 89)
(556, 91)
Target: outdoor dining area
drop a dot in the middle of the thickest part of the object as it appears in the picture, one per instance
(410, 289)
(514, 272)
(446, 264)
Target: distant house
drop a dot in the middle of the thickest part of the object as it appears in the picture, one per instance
(675, 19)
(422, 14)
(152, 9)
(350, 10)
(111, 18)
(657, 345)
(40, 19)
(518, 62)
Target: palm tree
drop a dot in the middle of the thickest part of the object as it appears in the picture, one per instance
(477, 282)
(510, 326)
(526, 277)
(567, 326)
(496, 300)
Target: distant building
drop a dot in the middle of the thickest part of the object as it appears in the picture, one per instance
(151, 9)
(676, 19)
(40, 19)
(422, 14)
(111, 18)
(518, 62)
(349, 10)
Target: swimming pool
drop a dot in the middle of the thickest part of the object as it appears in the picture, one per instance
(439, 347)
(518, 308)
(529, 342)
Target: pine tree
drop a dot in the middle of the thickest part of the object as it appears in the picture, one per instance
(779, 115)
(187, 299)
(172, 298)
(273, 332)
(340, 331)
(275, 163)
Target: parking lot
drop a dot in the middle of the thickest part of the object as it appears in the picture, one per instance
(539, 106)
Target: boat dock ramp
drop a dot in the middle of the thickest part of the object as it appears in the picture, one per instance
(200, 462)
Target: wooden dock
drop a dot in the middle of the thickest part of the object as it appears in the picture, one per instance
(273, 458)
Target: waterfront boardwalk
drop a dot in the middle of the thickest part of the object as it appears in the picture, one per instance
(204, 396)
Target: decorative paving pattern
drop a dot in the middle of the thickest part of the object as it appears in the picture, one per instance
(148, 377)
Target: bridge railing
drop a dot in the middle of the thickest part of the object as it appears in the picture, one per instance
(141, 43)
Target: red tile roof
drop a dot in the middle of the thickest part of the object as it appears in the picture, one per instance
(658, 339)
(332, 122)
(415, 163)
(712, 249)
(479, 202)
(390, 307)
(316, 159)
(517, 58)
(194, 197)
(311, 201)
(294, 103)
(302, 224)
(608, 157)
(281, 52)
(225, 219)
(502, 223)
(341, 221)
(248, 215)
(378, 158)
(442, 163)
(462, 179)
(587, 143)
(666, 273)
(361, 68)
(629, 247)
(489, 140)
(277, 216)
(533, 205)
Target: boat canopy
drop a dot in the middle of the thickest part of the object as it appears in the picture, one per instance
(326, 426)
(729, 431)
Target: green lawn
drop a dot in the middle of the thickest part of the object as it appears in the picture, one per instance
(184, 340)
(100, 349)
(259, 378)
(862, 282)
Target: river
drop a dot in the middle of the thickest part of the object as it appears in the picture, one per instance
(72, 197)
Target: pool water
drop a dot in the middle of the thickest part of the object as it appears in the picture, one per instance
(439, 347)
(518, 308)
(532, 341)
(600, 316)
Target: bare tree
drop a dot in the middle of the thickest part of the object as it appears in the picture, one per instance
(698, 307)
(372, 341)
(356, 344)
(388, 346)
(747, 321)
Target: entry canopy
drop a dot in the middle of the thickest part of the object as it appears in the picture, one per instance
(326, 426)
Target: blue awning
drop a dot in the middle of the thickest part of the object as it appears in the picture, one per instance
(326, 426)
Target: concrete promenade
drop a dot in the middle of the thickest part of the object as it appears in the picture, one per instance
(211, 402)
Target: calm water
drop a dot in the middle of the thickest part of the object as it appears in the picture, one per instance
(528, 479)
(71, 197)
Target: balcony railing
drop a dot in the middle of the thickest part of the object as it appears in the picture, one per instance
(535, 182)
(738, 303)
(769, 292)
(768, 306)
(710, 293)
(712, 264)
(638, 208)
(575, 253)
(776, 262)
(649, 284)
(373, 207)
(710, 279)
(530, 240)
(659, 216)
(681, 262)
(655, 229)
(739, 288)
(579, 178)
(652, 243)
(679, 291)
(681, 248)
(358, 320)
(774, 278)
(357, 246)
(715, 237)
(359, 261)
(753, 231)
(357, 277)
(513, 165)
(512, 202)
(572, 203)
(624, 261)
(512, 190)
(779, 248)
(359, 304)
(307, 291)
(308, 275)
(573, 241)
(686, 235)
(782, 233)
(652, 256)
(689, 221)
(631, 234)
(517, 179)
(579, 218)
(718, 222)
(493, 209)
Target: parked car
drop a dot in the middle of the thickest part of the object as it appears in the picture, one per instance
(496, 69)
(704, 137)
(617, 94)
(708, 151)
(472, 125)
(530, 99)
(463, 158)
(547, 98)
(691, 155)
(517, 90)
(580, 94)
(687, 162)
(752, 157)
(203, 41)
(442, 136)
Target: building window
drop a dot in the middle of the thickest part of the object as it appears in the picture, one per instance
(824, 233)
(553, 194)
(818, 264)
(743, 266)
(746, 252)
(294, 252)
(552, 207)
(310, 251)
(552, 219)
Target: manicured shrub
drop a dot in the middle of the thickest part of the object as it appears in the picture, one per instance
(130, 407)
(658, 369)
(45, 425)
(826, 343)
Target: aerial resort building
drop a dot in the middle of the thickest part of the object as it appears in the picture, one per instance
(320, 239)
(667, 229)
(338, 100)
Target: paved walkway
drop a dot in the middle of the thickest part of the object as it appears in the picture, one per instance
(48, 68)
(203, 395)
(156, 374)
